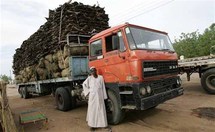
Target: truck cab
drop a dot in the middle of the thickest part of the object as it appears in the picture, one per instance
(139, 66)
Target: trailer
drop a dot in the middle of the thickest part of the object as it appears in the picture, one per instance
(65, 89)
(204, 66)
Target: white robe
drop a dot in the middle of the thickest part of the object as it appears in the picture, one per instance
(96, 112)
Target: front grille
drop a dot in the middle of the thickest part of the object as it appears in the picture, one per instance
(163, 85)
(154, 68)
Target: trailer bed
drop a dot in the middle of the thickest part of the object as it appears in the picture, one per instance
(197, 61)
(205, 66)
(78, 71)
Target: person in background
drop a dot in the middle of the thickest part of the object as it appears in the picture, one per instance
(94, 87)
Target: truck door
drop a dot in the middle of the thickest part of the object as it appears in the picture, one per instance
(115, 59)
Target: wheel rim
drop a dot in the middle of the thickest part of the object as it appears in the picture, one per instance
(210, 81)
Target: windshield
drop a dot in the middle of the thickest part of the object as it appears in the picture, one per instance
(144, 39)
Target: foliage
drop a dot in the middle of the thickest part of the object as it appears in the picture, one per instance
(5, 78)
(195, 44)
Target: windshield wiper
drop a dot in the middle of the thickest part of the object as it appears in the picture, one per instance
(168, 50)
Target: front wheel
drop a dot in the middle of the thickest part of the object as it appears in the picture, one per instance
(208, 81)
(114, 112)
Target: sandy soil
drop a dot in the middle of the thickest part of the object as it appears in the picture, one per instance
(179, 114)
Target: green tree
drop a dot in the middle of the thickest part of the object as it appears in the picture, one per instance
(207, 40)
(195, 44)
(5, 78)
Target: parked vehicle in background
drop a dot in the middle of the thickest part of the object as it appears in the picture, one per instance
(204, 66)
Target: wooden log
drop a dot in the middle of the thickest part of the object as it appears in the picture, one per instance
(49, 58)
(65, 72)
(57, 74)
(43, 73)
(61, 64)
(66, 62)
(55, 58)
(41, 63)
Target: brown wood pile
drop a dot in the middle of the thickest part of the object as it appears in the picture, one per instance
(77, 18)
(6, 117)
(52, 65)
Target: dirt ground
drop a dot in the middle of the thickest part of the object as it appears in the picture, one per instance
(193, 111)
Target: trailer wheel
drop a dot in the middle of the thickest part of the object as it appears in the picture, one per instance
(74, 102)
(20, 89)
(114, 112)
(63, 99)
(25, 93)
(208, 81)
(72, 99)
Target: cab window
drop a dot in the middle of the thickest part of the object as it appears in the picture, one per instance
(96, 48)
(110, 46)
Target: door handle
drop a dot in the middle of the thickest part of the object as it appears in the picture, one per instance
(106, 60)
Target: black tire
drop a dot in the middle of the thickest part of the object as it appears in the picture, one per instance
(114, 112)
(63, 99)
(25, 93)
(20, 90)
(73, 98)
(73, 102)
(208, 81)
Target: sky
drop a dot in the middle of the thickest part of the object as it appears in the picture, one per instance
(21, 18)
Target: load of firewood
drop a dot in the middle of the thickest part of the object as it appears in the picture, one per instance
(45, 54)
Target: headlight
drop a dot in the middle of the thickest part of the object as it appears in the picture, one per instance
(148, 89)
(143, 91)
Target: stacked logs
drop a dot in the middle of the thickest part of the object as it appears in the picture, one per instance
(53, 65)
(42, 55)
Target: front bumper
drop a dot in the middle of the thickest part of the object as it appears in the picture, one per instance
(154, 100)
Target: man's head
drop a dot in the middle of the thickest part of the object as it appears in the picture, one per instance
(93, 71)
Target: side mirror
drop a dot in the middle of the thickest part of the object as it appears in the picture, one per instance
(115, 42)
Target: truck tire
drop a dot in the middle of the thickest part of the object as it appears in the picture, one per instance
(63, 99)
(20, 89)
(208, 81)
(73, 98)
(73, 102)
(114, 112)
(25, 93)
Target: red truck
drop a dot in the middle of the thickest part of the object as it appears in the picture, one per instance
(139, 66)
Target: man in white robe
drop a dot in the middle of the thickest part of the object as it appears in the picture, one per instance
(94, 87)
